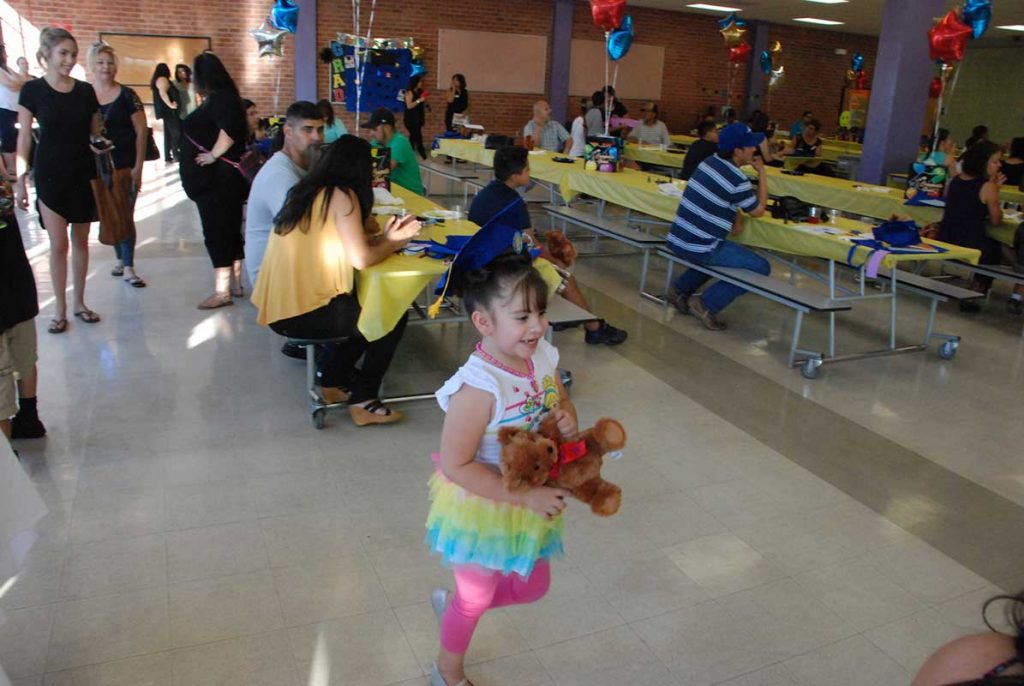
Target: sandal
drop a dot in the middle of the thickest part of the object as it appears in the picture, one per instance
(370, 415)
(238, 292)
(135, 281)
(334, 395)
(87, 316)
(215, 301)
(58, 325)
(117, 271)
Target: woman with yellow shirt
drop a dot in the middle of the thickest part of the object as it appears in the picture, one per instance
(306, 286)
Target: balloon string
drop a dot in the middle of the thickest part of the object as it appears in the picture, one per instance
(607, 100)
(956, 76)
(277, 88)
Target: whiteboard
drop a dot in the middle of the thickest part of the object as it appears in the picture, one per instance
(492, 62)
(640, 71)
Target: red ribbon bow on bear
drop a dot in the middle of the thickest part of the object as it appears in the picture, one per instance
(567, 452)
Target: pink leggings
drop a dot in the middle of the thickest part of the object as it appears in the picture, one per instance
(478, 590)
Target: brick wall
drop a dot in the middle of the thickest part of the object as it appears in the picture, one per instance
(226, 23)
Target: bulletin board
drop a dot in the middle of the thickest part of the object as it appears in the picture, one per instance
(640, 71)
(492, 62)
(138, 55)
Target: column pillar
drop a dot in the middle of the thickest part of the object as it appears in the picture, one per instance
(755, 77)
(560, 53)
(306, 58)
(899, 88)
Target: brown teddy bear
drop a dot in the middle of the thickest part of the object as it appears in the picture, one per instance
(574, 466)
(559, 249)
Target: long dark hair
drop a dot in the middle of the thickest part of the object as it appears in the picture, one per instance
(1014, 616)
(345, 164)
(462, 81)
(188, 72)
(161, 70)
(326, 110)
(210, 76)
(414, 82)
(1017, 147)
(975, 159)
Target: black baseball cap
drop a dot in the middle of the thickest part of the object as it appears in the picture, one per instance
(381, 115)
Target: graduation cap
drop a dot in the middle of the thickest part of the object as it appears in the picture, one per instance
(495, 237)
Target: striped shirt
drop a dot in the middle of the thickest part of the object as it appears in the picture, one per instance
(708, 207)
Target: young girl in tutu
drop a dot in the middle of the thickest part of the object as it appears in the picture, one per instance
(497, 543)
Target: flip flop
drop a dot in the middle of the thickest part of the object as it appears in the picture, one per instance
(135, 281)
(87, 316)
(363, 416)
(58, 325)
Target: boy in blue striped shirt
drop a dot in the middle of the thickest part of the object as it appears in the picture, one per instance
(708, 213)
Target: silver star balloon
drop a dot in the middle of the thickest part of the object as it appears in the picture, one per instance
(269, 39)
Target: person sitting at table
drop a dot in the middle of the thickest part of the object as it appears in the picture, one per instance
(544, 132)
(978, 133)
(651, 130)
(1013, 165)
(306, 285)
(798, 126)
(808, 144)
(973, 197)
(578, 131)
(405, 167)
(708, 212)
(704, 147)
(512, 170)
(594, 118)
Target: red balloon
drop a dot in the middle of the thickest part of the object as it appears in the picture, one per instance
(739, 52)
(862, 80)
(935, 88)
(608, 13)
(948, 38)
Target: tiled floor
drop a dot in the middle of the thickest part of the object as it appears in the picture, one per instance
(774, 531)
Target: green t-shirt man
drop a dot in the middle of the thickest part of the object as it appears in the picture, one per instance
(405, 166)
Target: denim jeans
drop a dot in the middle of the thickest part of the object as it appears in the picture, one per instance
(125, 250)
(726, 254)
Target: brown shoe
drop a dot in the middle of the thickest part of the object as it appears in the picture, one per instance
(679, 301)
(706, 316)
(375, 412)
(214, 301)
(334, 396)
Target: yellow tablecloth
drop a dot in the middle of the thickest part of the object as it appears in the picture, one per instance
(682, 139)
(386, 289)
(849, 146)
(1011, 194)
(656, 156)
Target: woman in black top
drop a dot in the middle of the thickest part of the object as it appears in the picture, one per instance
(457, 98)
(165, 107)
(124, 124)
(68, 116)
(415, 114)
(212, 143)
(1013, 165)
(971, 199)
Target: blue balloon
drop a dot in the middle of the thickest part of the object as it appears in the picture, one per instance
(722, 23)
(857, 62)
(621, 39)
(285, 16)
(978, 15)
(766, 62)
(417, 69)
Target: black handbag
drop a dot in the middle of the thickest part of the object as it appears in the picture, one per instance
(152, 152)
(496, 140)
(790, 209)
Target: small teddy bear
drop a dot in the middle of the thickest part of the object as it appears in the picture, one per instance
(559, 248)
(530, 459)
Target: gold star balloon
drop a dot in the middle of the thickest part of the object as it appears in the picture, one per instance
(733, 34)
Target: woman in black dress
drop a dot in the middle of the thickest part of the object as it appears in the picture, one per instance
(415, 114)
(457, 98)
(68, 116)
(124, 123)
(972, 198)
(212, 142)
(165, 107)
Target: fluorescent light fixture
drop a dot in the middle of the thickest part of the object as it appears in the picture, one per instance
(1012, 27)
(823, 22)
(714, 8)
(829, 2)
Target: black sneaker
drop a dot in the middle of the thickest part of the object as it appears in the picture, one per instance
(293, 350)
(679, 301)
(27, 427)
(1014, 306)
(970, 306)
(563, 327)
(606, 334)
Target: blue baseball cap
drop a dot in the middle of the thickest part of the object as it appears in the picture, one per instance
(738, 136)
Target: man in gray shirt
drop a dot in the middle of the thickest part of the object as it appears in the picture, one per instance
(545, 132)
(303, 131)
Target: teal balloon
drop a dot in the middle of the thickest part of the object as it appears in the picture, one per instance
(621, 39)
(857, 62)
(418, 69)
(978, 15)
(722, 23)
(285, 15)
(766, 62)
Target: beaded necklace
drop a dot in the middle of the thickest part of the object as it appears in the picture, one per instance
(487, 357)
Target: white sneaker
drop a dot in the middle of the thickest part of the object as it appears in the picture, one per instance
(437, 680)
(439, 601)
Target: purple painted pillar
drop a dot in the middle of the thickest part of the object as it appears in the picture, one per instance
(560, 51)
(899, 89)
(306, 67)
(756, 79)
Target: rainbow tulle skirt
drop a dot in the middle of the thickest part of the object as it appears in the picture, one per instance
(467, 529)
